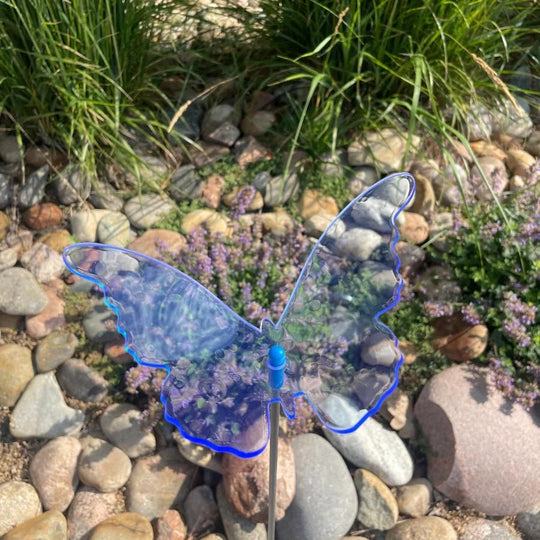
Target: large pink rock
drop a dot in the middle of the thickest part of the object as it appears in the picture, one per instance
(484, 450)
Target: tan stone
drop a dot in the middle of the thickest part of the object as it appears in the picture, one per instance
(312, 203)
(19, 502)
(245, 483)
(377, 507)
(424, 528)
(124, 526)
(57, 240)
(484, 148)
(51, 525)
(199, 455)
(459, 340)
(15, 372)
(51, 318)
(278, 222)
(256, 204)
(415, 229)
(211, 220)
(520, 162)
(414, 498)
(147, 244)
(424, 197)
(211, 190)
(4, 225)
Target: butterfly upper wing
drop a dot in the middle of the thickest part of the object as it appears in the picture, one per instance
(337, 350)
(216, 391)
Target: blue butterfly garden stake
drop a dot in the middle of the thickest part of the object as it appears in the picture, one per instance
(228, 379)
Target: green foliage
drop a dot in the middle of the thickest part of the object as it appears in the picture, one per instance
(112, 372)
(496, 265)
(82, 72)
(409, 322)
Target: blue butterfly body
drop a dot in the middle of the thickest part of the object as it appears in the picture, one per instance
(217, 390)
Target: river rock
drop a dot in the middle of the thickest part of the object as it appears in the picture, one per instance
(199, 455)
(186, 184)
(415, 229)
(245, 482)
(19, 502)
(279, 190)
(51, 525)
(414, 498)
(84, 224)
(43, 262)
(358, 244)
(325, 504)
(100, 323)
(217, 115)
(249, 150)
(8, 258)
(226, 134)
(53, 471)
(424, 196)
(42, 412)
(237, 527)
(257, 123)
(211, 190)
(124, 526)
(278, 223)
(484, 529)
(384, 150)
(10, 151)
(371, 446)
(122, 425)
(459, 340)
(201, 511)
(72, 185)
(509, 121)
(82, 382)
(528, 522)
(102, 465)
(42, 216)
(497, 176)
(20, 293)
(484, 449)
(58, 239)
(113, 229)
(212, 221)
(478, 123)
(155, 242)
(105, 197)
(159, 482)
(312, 202)
(520, 162)
(55, 349)
(377, 507)
(88, 509)
(170, 526)
(145, 210)
(424, 528)
(34, 188)
(6, 190)
(16, 371)
(50, 319)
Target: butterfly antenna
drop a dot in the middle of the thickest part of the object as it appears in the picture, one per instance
(277, 360)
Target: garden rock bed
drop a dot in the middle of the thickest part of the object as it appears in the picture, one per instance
(80, 459)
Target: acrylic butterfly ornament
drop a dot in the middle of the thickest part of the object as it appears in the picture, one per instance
(339, 356)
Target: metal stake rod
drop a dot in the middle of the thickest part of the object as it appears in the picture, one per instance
(277, 360)
(274, 436)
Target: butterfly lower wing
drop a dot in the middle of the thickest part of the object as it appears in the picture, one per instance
(216, 392)
(338, 352)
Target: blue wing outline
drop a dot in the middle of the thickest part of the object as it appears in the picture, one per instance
(309, 370)
(245, 432)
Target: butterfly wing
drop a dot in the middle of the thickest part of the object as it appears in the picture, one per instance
(338, 352)
(216, 391)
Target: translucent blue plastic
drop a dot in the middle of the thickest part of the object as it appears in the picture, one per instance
(219, 389)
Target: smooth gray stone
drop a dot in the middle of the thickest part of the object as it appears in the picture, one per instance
(20, 293)
(42, 413)
(82, 382)
(113, 229)
(529, 523)
(186, 184)
(371, 446)
(226, 134)
(72, 185)
(261, 181)
(326, 503)
(279, 190)
(100, 324)
(6, 190)
(34, 188)
(236, 526)
(358, 244)
(105, 197)
(189, 124)
(54, 350)
(147, 209)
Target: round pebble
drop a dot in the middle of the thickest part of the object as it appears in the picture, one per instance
(102, 465)
(145, 210)
(50, 525)
(54, 350)
(53, 471)
(20, 293)
(414, 498)
(19, 502)
(170, 526)
(424, 528)
(42, 216)
(8, 258)
(201, 511)
(44, 262)
(58, 239)
(82, 382)
(121, 423)
(113, 229)
(42, 412)
(124, 526)
(51, 318)
(16, 371)
(84, 224)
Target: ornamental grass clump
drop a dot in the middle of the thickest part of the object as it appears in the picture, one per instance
(82, 75)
